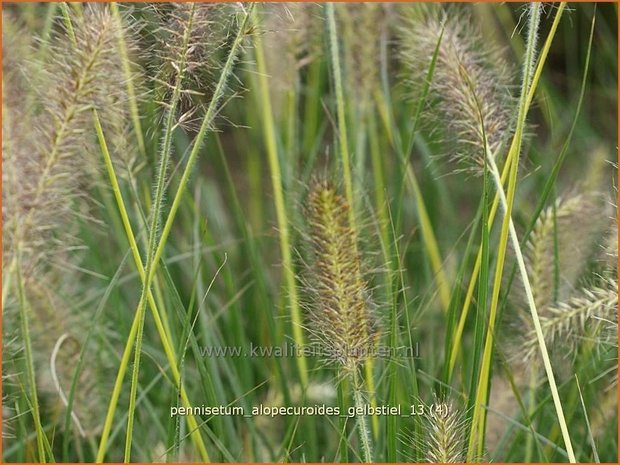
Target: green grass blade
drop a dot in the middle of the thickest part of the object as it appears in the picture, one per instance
(456, 346)
(281, 212)
(29, 362)
(134, 328)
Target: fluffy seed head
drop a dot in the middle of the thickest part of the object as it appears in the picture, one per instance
(292, 41)
(45, 162)
(445, 440)
(192, 41)
(557, 256)
(48, 141)
(565, 232)
(340, 307)
(564, 324)
(469, 92)
(363, 27)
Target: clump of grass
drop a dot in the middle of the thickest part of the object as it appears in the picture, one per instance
(476, 105)
(156, 242)
(572, 282)
(141, 93)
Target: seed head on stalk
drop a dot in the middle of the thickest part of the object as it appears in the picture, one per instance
(49, 172)
(469, 90)
(292, 42)
(192, 43)
(557, 256)
(340, 308)
(445, 441)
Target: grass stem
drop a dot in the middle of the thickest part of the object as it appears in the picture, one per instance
(29, 360)
(362, 426)
(281, 213)
(168, 347)
(476, 438)
(534, 313)
(346, 168)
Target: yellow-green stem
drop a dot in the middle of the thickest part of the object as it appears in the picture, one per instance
(456, 345)
(155, 215)
(362, 427)
(281, 214)
(343, 140)
(29, 360)
(534, 313)
(476, 437)
(212, 110)
(529, 441)
(168, 347)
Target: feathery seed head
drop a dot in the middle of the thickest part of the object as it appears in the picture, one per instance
(292, 41)
(340, 307)
(557, 255)
(443, 437)
(46, 170)
(469, 90)
(192, 41)
(575, 222)
(44, 156)
(364, 27)
(565, 323)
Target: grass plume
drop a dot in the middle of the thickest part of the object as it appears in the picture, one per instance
(445, 434)
(566, 322)
(340, 308)
(84, 77)
(557, 255)
(193, 40)
(469, 92)
(47, 163)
